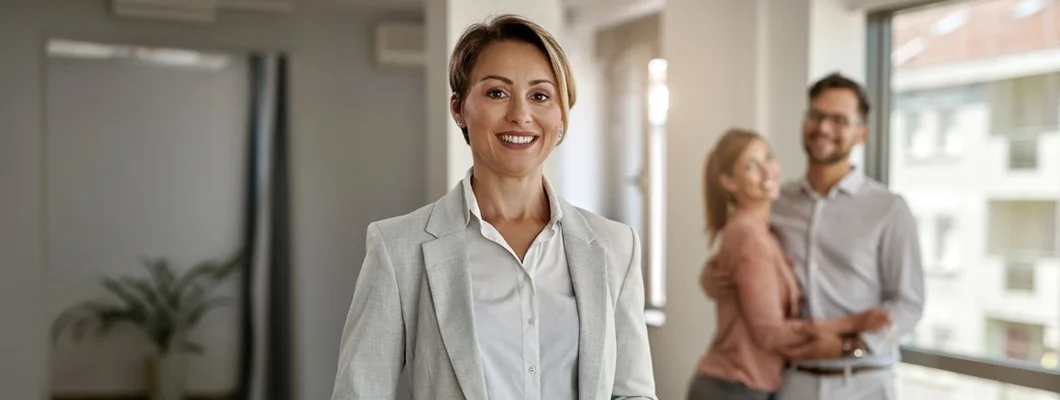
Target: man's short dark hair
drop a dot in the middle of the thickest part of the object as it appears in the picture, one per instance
(837, 81)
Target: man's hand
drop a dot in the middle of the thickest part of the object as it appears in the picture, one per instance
(822, 345)
(717, 282)
(874, 320)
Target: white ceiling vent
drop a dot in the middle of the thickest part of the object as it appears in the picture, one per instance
(400, 44)
(194, 10)
(179, 10)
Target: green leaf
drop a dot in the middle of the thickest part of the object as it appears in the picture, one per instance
(151, 298)
(209, 274)
(78, 316)
(233, 264)
(81, 326)
(163, 278)
(193, 277)
(196, 314)
(123, 293)
(164, 306)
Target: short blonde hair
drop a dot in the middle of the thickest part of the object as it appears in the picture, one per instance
(508, 27)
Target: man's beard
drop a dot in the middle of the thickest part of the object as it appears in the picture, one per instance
(835, 157)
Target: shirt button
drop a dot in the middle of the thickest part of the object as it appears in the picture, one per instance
(531, 321)
(532, 369)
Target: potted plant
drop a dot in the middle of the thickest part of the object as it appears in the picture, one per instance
(165, 306)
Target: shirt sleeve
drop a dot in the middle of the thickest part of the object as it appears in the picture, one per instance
(758, 288)
(902, 278)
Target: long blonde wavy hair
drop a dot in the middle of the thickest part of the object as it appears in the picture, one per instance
(721, 160)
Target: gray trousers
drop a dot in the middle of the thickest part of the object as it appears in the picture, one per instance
(710, 388)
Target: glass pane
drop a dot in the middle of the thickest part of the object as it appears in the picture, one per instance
(975, 150)
(922, 383)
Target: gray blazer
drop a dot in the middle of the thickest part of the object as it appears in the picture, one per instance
(412, 308)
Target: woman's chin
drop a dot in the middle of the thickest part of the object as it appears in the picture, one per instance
(509, 168)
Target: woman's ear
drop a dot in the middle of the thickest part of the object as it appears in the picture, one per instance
(454, 109)
(727, 183)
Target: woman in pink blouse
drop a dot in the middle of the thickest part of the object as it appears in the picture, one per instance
(744, 359)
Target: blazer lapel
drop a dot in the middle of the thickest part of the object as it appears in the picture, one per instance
(449, 278)
(585, 258)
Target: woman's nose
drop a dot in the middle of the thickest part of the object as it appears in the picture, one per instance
(518, 111)
(773, 169)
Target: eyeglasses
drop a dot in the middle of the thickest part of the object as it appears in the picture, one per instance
(816, 117)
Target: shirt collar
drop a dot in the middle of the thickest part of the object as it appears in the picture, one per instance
(849, 185)
(471, 202)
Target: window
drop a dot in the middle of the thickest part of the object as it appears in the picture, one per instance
(635, 161)
(1022, 105)
(914, 138)
(1023, 153)
(933, 122)
(947, 248)
(1015, 340)
(948, 132)
(967, 103)
(1022, 228)
(1019, 275)
(658, 106)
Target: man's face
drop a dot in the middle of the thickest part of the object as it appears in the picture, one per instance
(832, 127)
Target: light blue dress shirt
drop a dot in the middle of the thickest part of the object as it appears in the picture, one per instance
(854, 248)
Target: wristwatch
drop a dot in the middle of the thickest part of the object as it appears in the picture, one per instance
(850, 347)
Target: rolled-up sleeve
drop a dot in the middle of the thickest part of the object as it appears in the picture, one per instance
(371, 353)
(902, 277)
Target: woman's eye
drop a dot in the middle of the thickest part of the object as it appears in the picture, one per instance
(496, 94)
(539, 97)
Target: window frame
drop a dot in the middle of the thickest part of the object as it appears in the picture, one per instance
(877, 154)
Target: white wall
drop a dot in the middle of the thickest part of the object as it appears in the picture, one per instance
(23, 340)
(349, 121)
(156, 170)
(737, 71)
(578, 163)
(711, 81)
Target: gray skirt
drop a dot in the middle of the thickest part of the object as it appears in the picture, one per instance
(710, 388)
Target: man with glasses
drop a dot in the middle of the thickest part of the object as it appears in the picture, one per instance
(854, 247)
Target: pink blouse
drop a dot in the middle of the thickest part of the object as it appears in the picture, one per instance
(756, 322)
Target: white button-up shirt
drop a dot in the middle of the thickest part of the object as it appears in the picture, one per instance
(526, 319)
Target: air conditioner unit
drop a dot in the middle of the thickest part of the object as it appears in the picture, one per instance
(400, 44)
(194, 10)
(177, 10)
(273, 6)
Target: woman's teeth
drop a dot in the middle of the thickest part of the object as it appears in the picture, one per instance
(517, 139)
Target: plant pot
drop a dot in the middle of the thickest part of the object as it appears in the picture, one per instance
(166, 374)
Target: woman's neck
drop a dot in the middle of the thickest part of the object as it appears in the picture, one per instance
(757, 211)
(510, 198)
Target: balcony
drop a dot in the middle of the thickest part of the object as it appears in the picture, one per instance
(1024, 164)
(1021, 287)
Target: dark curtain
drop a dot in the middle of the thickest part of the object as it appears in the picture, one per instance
(266, 318)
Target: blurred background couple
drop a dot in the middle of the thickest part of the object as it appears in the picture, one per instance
(813, 280)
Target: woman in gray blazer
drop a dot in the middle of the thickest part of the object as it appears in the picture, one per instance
(501, 289)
